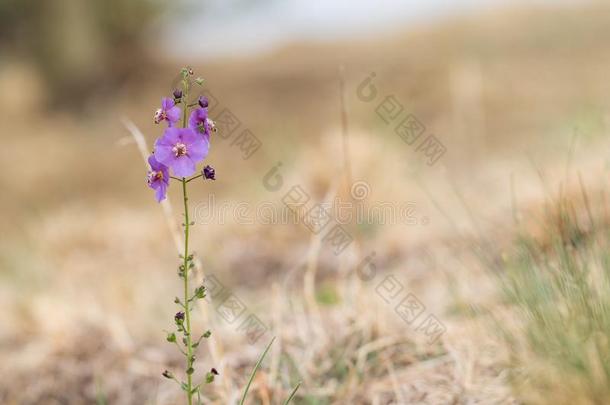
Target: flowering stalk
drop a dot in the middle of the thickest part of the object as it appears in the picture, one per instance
(180, 149)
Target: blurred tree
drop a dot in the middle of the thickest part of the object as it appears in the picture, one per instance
(81, 48)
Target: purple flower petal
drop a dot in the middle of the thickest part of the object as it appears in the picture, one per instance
(163, 149)
(184, 166)
(188, 136)
(172, 135)
(198, 120)
(173, 114)
(154, 164)
(199, 149)
(167, 103)
(161, 192)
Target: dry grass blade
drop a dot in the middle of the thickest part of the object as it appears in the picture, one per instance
(167, 206)
(292, 394)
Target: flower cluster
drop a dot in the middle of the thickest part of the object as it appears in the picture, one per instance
(180, 149)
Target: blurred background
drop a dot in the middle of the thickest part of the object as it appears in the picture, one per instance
(514, 93)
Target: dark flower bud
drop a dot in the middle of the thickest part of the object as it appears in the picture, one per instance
(179, 317)
(209, 173)
(214, 371)
(167, 374)
(203, 102)
(177, 94)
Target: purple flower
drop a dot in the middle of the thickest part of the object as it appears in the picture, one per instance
(181, 149)
(158, 178)
(168, 112)
(200, 122)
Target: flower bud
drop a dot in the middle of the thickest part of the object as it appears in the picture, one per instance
(177, 94)
(203, 101)
(179, 317)
(171, 337)
(200, 292)
(209, 173)
(167, 374)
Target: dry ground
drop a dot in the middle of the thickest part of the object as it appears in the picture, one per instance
(88, 262)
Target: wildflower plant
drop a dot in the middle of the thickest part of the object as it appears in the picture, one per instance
(184, 144)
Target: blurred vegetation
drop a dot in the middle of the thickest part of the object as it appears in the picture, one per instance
(559, 285)
(80, 48)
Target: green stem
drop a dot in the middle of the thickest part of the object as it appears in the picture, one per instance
(187, 307)
(186, 106)
(194, 177)
(187, 311)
